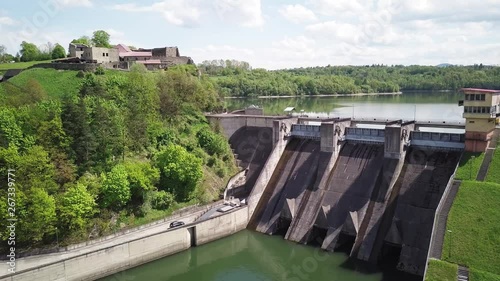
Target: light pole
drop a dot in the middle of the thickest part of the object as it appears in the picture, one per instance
(57, 238)
(470, 166)
(451, 241)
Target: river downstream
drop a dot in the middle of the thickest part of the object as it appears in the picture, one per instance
(251, 256)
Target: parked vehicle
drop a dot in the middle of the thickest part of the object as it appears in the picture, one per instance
(176, 224)
(225, 209)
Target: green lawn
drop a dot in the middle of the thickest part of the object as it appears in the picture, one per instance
(475, 224)
(469, 168)
(19, 65)
(494, 169)
(441, 271)
(477, 275)
(54, 82)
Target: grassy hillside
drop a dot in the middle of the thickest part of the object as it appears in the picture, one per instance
(441, 271)
(54, 82)
(469, 167)
(19, 65)
(494, 169)
(474, 225)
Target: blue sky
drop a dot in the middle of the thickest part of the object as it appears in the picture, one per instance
(272, 34)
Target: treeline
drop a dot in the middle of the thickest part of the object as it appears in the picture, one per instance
(234, 80)
(129, 145)
(31, 52)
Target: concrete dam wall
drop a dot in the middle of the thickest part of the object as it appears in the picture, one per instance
(379, 186)
(296, 170)
(252, 147)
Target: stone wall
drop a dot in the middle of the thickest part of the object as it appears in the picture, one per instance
(87, 67)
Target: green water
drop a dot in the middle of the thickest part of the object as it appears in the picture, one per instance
(250, 256)
(429, 106)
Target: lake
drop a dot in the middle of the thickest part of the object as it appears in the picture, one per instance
(430, 106)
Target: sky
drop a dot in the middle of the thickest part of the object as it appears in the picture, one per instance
(272, 34)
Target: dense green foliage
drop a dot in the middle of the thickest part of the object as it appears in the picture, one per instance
(441, 271)
(469, 166)
(95, 153)
(238, 79)
(473, 222)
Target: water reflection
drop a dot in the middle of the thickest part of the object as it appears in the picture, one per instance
(442, 106)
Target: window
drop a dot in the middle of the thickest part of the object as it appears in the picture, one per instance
(472, 122)
(467, 97)
(103, 54)
(107, 55)
(483, 97)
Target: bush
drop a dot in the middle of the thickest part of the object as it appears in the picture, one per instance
(99, 70)
(212, 142)
(162, 200)
(80, 74)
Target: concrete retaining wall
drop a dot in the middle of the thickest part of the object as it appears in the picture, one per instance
(232, 123)
(272, 162)
(122, 256)
(437, 213)
(222, 226)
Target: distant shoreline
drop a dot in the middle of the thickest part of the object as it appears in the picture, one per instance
(321, 96)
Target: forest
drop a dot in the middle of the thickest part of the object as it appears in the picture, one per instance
(91, 153)
(238, 79)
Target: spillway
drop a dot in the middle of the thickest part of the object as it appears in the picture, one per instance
(296, 170)
(252, 146)
(349, 190)
(409, 217)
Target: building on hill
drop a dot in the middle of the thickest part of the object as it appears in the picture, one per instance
(121, 56)
(481, 112)
(76, 50)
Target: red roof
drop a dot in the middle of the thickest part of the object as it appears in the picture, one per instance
(149, 61)
(136, 54)
(480, 90)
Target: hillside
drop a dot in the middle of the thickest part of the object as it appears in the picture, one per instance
(98, 153)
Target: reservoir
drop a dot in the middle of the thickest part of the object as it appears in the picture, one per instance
(428, 106)
(251, 256)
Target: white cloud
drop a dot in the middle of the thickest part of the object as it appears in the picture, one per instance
(247, 13)
(6, 21)
(185, 13)
(297, 13)
(75, 3)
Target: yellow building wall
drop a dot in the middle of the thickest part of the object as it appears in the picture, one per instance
(479, 125)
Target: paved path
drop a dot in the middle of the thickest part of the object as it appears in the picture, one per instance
(483, 171)
(440, 231)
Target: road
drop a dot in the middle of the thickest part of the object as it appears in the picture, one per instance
(36, 261)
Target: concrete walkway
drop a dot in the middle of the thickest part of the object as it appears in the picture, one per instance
(488, 156)
(437, 247)
(463, 273)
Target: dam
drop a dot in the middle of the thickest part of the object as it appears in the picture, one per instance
(372, 186)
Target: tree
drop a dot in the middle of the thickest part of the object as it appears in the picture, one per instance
(58, 52)
(76, 207)
(116, 188)
(180, 171)
(101, 39)
(4, 57)
(142, 177)
(85, 40)
(29, 51)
